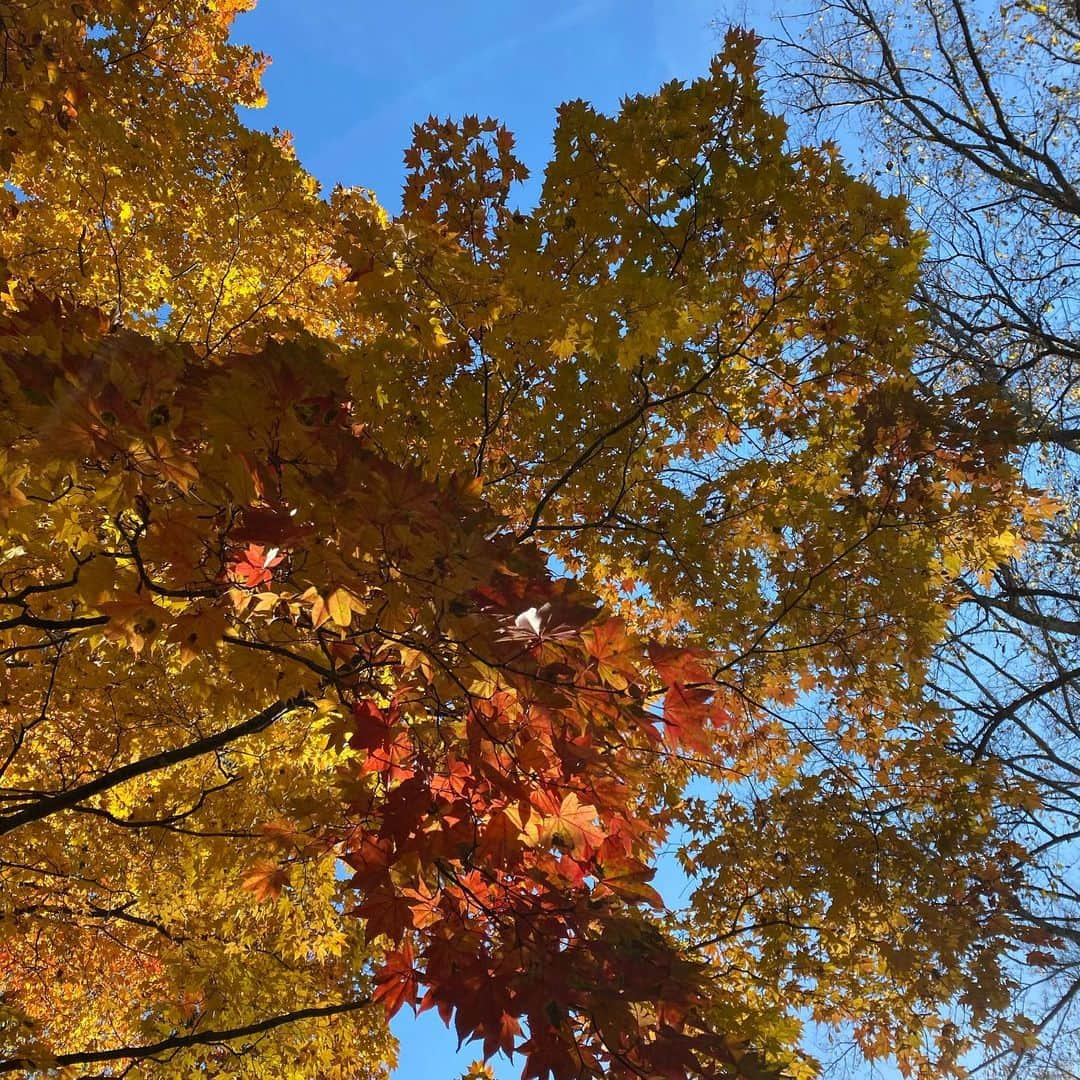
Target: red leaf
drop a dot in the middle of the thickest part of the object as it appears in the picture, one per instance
(369, 857)
(252, 567)
(386, 912)
(370, 726)
(690, 689)
(398, 982)
(274, 528)
(500, 841)
(613, 652)
(633, 885)
(501, 1037)
(685, 711)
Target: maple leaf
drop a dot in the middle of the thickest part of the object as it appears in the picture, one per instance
(386, 911)
(286, 836)
(501, 839)
(370, 726)
(136, 619)
(501, 1037)
(612, 651)
(478, 1070)
(631, 884)
(565, 823)
(340, 605)
(269, 527)
(689, 690)
(546, 1054)
(685, 711)
(397, 982)
(252, 567)
(425, 906)
(265, 879)
(197, 631)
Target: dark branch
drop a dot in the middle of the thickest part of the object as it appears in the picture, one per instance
(48, 803)
(180, 1042)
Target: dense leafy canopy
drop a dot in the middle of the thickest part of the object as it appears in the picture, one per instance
(296, 707)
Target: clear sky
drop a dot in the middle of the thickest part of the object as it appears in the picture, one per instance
(350, 78)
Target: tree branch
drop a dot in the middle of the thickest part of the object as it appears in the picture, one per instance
(48, 803)
(180, 1042)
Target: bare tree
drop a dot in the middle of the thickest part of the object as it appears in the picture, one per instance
(972, 113)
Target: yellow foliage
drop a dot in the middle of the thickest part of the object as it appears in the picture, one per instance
(244, 425)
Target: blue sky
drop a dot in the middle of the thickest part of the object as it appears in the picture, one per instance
(349, 79)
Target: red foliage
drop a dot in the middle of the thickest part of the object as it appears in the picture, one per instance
(502, 841)
(252, 567)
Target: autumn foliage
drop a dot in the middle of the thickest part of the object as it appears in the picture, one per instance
(379, 597)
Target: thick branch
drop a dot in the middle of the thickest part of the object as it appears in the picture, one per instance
(1010, 710)
(51, 803)
(1026, 615)
(179, 1042)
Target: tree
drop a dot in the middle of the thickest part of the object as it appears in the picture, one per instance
(448, 755)
(132, 185)
(277, 591)
(971, 114)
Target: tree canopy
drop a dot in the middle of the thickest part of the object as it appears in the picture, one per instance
(379, 596)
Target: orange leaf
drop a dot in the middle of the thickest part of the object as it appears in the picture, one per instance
(265, 878)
